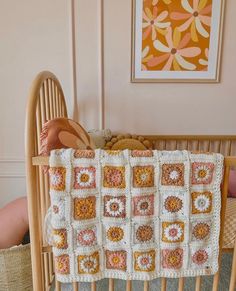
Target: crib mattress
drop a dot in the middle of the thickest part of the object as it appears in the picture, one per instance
(230, 224)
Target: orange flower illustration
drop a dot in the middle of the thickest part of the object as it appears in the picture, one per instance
(196, 16)
(153, 22)
(175, 52)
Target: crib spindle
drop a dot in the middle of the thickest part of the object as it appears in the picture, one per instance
(163, 284)
(181, 284)
(93, 286)
(128, 285)
(198, 283)
(145, 286)
(57, 285)
(111, 285)
(75, 286)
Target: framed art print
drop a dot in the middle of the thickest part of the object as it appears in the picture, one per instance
(176, 40)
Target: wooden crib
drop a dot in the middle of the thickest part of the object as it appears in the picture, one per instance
(47, 101)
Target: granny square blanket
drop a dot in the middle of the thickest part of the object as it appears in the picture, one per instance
(134, 215)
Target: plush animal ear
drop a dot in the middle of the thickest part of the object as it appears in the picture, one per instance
(83, 134)
(71, 141)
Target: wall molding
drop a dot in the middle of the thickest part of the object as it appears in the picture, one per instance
(12, 168)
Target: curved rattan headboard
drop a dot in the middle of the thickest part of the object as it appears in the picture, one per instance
(46, 101)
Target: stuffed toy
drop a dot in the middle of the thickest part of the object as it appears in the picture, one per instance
(14, 223)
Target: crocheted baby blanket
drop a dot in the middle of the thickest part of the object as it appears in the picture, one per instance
(134, 215)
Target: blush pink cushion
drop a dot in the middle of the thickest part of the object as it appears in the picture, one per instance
(13, 223)
(232, 183)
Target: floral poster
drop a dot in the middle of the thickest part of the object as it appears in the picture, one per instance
(176, 40)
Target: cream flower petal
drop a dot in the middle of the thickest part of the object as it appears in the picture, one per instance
(203, 62)
(190, 52)
(161, 47)
(145, 24)
(200, 28)
(162, 15)
(186, 24)
(187, 6)
(176, 65)
(145, 51)
(184, 64)
(154, 2)
(162, 24)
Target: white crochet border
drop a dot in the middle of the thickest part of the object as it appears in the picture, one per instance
(66, 159)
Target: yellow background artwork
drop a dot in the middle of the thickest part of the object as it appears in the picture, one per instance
(176, 35)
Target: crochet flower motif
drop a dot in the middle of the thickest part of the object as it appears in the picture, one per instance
(143, 205)
(85, 208)
(172, 258)
(144, 233)
(153, 22)
(116, 260)
(201, 202)
(202, 173)
(87, 237)
(114, 206)
(115, 234)
(196, 16)
(88, 264)
(201, 231)
(143, 176)
(172, 175)
(84, 178)
(60, 238)
(172, 232)
(173, 204)
(84, 154)
(144, 261)
(200, 257)
(58, 208)
(114, 177)
(62, 264)
(57, 178)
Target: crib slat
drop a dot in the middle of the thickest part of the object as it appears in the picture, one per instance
(181, 284)
(163, 284)
(198, 283)
(75, 286)
(57, 285)
(128, 285)
(111, 284)
(93, 286)
(145, 286)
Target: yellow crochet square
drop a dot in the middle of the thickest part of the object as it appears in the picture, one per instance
(114, 177)
(60, 238)
(201, 202)
(85, 208)
(143, 176)
(144, 261)
(88, 264)
(172, 232)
